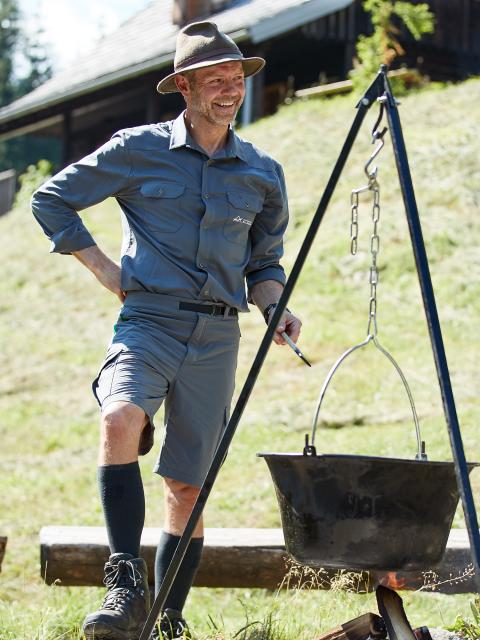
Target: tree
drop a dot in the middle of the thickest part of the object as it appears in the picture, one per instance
(38, 63)
(14, 43)
(9, 33)
(383, 46)
(19, 152)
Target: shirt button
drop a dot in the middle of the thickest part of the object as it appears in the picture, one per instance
(207, 292)
(160, 191)
(201, 265)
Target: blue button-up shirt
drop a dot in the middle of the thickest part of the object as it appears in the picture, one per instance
(194, 226)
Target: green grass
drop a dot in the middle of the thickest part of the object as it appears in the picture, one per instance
(55, 322)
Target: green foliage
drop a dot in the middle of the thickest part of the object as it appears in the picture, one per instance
(34, 176)
(18, 152)
(382, 47)
(39, 65)
(469, 628)
(417, 18)
(9, 34)
(14, 42)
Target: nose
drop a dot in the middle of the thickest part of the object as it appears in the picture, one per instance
(232, 86)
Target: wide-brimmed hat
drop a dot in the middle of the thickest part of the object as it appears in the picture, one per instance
(201, 44)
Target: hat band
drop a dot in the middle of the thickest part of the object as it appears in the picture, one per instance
(218, 52)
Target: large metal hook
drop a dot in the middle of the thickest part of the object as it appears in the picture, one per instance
(372, 174)
(376, 135)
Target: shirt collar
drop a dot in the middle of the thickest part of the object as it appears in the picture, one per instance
(180, 137)
(235, 146)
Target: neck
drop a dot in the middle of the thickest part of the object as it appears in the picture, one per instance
(210, 137)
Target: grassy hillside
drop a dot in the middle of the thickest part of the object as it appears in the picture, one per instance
(55, 322)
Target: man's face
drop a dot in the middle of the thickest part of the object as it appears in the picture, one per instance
(214, 93)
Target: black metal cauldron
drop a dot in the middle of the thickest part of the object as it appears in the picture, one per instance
(362, 512)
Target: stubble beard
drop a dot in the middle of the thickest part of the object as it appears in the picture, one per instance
(207, 111)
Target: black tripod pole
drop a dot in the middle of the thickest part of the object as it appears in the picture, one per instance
(372, 93)
(433, 323)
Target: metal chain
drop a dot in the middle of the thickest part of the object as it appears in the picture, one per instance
(374, 188)
(374, 249)
(354, 221)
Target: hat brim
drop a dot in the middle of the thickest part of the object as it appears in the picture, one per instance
(251, 66)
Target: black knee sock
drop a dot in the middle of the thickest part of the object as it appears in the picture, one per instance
(123, 501)
(184, 578)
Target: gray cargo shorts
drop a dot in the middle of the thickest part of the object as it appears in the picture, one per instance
(159, 352)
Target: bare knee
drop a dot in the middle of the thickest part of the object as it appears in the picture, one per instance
(178, 494)
(179, 501)
(121, 426)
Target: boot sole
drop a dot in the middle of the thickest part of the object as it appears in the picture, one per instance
(91, 634)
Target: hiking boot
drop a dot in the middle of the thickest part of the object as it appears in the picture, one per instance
(171, 627)
(127, 603)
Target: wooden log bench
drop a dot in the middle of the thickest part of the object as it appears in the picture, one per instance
(253, 558)
(345, 86)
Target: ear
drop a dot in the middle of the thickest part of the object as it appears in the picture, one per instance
(182, 84)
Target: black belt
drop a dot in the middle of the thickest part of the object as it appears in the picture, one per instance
(211, 309)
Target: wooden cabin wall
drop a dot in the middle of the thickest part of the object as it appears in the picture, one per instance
(452, 52)
(320, 51)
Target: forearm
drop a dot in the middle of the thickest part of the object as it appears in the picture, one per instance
(268, 292)
(93, 258)
(107, 272)
(265, 292)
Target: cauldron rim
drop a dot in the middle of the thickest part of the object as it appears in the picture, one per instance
(347, 457)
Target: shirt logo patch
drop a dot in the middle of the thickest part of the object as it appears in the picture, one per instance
(243, 221)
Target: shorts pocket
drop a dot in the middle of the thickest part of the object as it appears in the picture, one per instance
(160, 200)
(113, 351)
(242, 209)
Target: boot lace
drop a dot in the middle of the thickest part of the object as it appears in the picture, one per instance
(173, 628)
(121, 579)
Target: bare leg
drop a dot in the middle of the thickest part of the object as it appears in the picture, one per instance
(121, 426)
(179, 501)
(127, 602)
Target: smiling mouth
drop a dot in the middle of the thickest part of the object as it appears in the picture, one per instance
(225, 105)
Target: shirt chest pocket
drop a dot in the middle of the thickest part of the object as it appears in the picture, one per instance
(161, 204)
(242, 209)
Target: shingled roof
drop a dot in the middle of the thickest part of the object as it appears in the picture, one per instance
(146, 42)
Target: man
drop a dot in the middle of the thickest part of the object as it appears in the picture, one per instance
(201, 210)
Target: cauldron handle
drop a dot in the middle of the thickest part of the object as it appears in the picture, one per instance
(421, 455)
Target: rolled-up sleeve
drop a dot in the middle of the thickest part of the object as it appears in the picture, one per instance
(103, 173)
(267, 237)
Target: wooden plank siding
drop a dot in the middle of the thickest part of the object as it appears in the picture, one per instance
(452, 52)
(317, 51)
